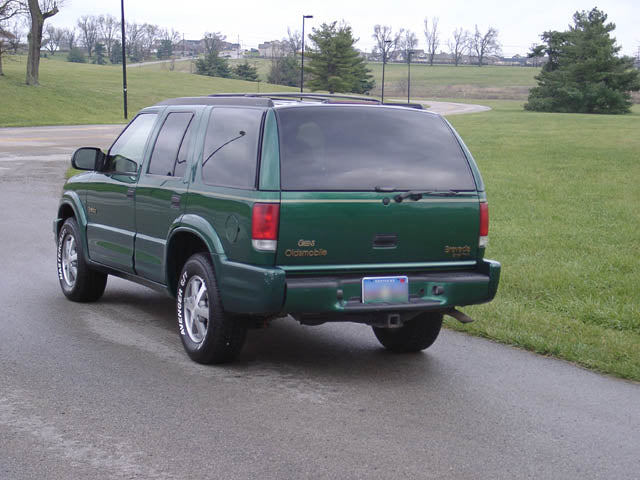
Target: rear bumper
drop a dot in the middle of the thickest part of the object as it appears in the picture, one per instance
(267, 291)
(428, 291)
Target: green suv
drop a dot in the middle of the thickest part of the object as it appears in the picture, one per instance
(247, 208)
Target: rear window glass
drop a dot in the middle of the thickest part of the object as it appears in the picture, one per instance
(359, 148)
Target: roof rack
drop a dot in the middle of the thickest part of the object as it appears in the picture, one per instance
(317, 97)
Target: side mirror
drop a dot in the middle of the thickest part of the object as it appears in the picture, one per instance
(87, 158)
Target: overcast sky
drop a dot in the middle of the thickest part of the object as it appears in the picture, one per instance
(519, 23)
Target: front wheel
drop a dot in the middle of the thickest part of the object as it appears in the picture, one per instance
(417, 334)
(78, 281)
(208, 333)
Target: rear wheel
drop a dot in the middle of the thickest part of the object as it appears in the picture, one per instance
(209, 334)
(417, 334)
(78, 281)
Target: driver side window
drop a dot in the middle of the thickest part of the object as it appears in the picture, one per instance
(126, 153)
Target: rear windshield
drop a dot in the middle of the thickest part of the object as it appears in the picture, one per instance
(359, 148)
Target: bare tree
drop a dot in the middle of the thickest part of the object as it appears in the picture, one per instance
(70, 36)
(16, 37)
(432, 36)
(213, 42)
(294, 41)
(133, 40)
(39, 12)
(8, 10)
(386, 41)
(485, 44)
(52, 38)
(88, 25)
(151, 34)
(408, 42)
(459, 44)
(108, 29)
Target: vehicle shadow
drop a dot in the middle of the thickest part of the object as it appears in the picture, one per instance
(338, 350)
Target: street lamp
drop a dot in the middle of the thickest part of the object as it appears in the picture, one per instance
(124, 62)
(384, 61)
(302, 65)
(409, 53)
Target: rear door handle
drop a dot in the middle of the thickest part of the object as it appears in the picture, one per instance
(131, 192)
(175, 201)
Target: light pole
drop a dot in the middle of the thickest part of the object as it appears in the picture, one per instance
(384, 61)
(124, 62)
(409, 53)
(302, 64)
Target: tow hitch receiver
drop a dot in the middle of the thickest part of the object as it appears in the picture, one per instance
(458, 315)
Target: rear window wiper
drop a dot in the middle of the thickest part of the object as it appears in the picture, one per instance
(417, 195)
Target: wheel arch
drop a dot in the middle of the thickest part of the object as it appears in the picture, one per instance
(71, 207)
(191, 235)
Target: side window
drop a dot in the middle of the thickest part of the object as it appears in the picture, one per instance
(181, 163)
(126, 153)
(231, 147)
(165, 152)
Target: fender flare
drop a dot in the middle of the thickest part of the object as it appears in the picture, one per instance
(71, 199)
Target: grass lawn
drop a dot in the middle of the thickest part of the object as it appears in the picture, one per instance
(564, 196)
(74, 93)
(462, 82)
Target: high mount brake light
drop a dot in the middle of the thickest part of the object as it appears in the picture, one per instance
(484, 225)
(264, 226)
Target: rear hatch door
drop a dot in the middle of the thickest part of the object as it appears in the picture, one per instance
(369, 185)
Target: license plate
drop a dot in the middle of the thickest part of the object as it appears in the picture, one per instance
(385, 289)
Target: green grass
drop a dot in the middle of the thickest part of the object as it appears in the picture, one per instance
(72, 93)
(445, 81)
(564, 195)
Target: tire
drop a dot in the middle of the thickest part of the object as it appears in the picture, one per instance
(415, 335)
(78, 281)
(208, 333)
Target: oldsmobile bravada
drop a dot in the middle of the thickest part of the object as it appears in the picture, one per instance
(247, 208)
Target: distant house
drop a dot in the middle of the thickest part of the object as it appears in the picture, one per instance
(270, 49)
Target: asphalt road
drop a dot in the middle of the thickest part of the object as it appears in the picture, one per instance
(104, 390)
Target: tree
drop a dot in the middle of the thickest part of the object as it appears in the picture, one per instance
(285, 68)
(8, 10)
(39, 12)
(108, 27)
(76, 55)
(88, 25)
(213, 42)
(53, 38)
(459, 44)
(408, 42)
(70, 36)
(116, 52)
(386, 41)
(213, 65)
(294, 41)
(584, 73)
(245, 71)
(432, 36)
(99, 51)
(335, 65)
(151, 34)
(133, 41)
(484, 44)
(165, 49)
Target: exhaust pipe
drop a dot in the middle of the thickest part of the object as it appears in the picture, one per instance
(458, 315)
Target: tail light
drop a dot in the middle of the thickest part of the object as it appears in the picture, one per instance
(264, 226)
(484, 225)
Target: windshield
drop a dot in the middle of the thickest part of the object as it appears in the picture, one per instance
(360, 148)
